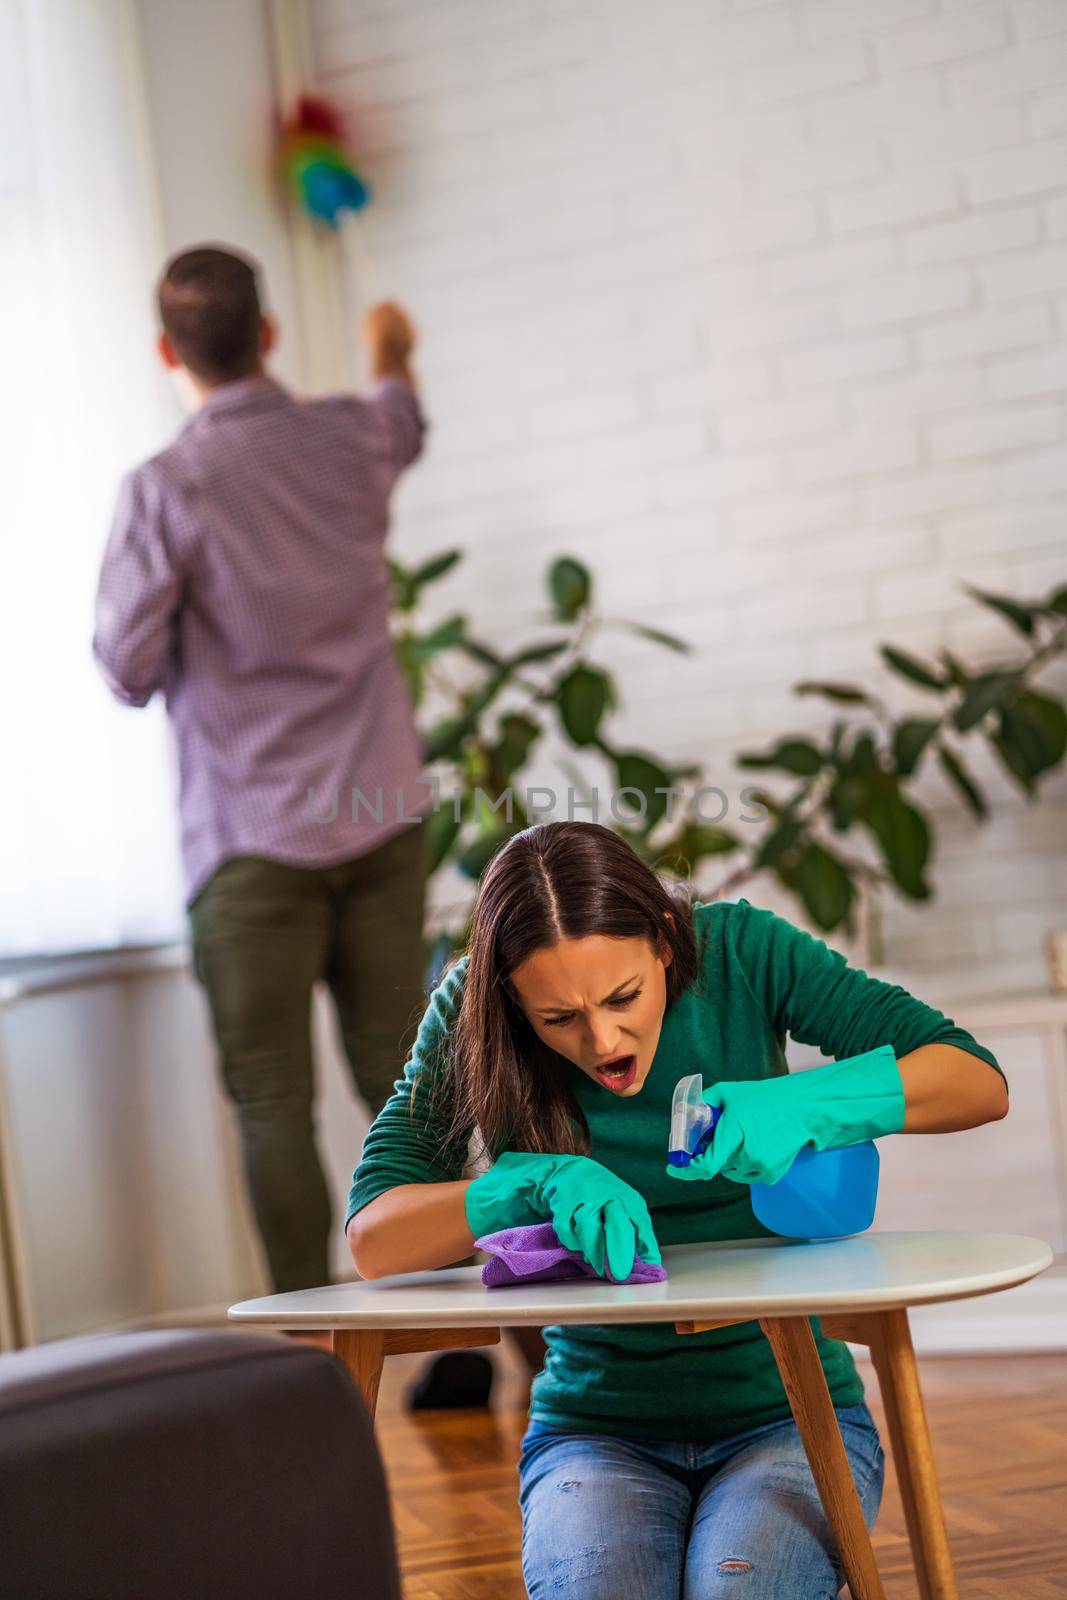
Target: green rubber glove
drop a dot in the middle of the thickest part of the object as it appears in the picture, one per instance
(767, 1121)
(591, 1209)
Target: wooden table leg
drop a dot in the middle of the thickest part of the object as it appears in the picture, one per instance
(362, 1351)
(893, 1354)
(797, 1356)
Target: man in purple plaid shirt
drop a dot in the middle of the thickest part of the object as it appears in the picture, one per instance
(246, 579)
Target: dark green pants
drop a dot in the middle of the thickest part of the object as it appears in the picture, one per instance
(263, 935)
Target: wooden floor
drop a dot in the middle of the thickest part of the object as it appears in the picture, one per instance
(1000, 1435)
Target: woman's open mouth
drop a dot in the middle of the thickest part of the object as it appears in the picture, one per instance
(618, 1074)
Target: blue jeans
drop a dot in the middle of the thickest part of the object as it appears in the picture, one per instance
(651, 1519)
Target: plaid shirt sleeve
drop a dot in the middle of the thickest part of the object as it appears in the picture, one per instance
(139, 595)
(401, 419)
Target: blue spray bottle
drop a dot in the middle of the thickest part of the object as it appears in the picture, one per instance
(826, 1194)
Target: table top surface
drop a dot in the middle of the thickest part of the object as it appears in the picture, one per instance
(745, 1279)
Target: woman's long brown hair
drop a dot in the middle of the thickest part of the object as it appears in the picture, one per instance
(558, 880)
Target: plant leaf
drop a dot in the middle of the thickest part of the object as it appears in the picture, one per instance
(634, 770)
(446, 738)
(860, 778)
(798, 756)
(1014, 761)
(657, 636)
(445, 636)
(825, 886)
(410, 665)
(982, 695)
(1057, 602)
(845, 694)
(537, 652)
(910, 739)
(517, 736)
(779, 841)
(696, 841)
(443, 830)
(957, 773)
(1031, 737)
(957, 673)
(904, 837)
(405, 590)
(1048, 718)
(910, 667)
(582, 696)
(761, 797)
(436, 567)
(570, 587)
(849, 798)
(444, 741)
(1020, 615)
(481, 653)
(477, 856)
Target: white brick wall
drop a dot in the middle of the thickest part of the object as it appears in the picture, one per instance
(761, 308)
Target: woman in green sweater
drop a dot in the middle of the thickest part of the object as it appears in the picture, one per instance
(655, 1465)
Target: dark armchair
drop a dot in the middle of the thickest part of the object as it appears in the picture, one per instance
(188, 1466)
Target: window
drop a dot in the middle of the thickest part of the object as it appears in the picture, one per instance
(88, 833)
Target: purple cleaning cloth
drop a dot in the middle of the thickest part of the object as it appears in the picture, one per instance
(534, 1255)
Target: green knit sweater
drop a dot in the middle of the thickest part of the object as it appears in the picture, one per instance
(759, 979)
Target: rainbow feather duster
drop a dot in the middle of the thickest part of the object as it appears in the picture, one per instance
(316, 163)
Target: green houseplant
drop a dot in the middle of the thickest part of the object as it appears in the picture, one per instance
(859, 777)
(494, 709)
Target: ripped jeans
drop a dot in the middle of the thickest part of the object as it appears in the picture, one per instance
(651, 1519)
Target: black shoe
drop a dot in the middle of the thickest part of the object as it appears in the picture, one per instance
(453, 1381)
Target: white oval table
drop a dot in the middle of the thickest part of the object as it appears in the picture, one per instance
(861, 1289)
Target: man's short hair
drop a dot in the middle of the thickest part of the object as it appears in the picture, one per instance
(210, 310)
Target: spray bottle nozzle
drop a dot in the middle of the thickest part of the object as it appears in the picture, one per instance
(692, 1122)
